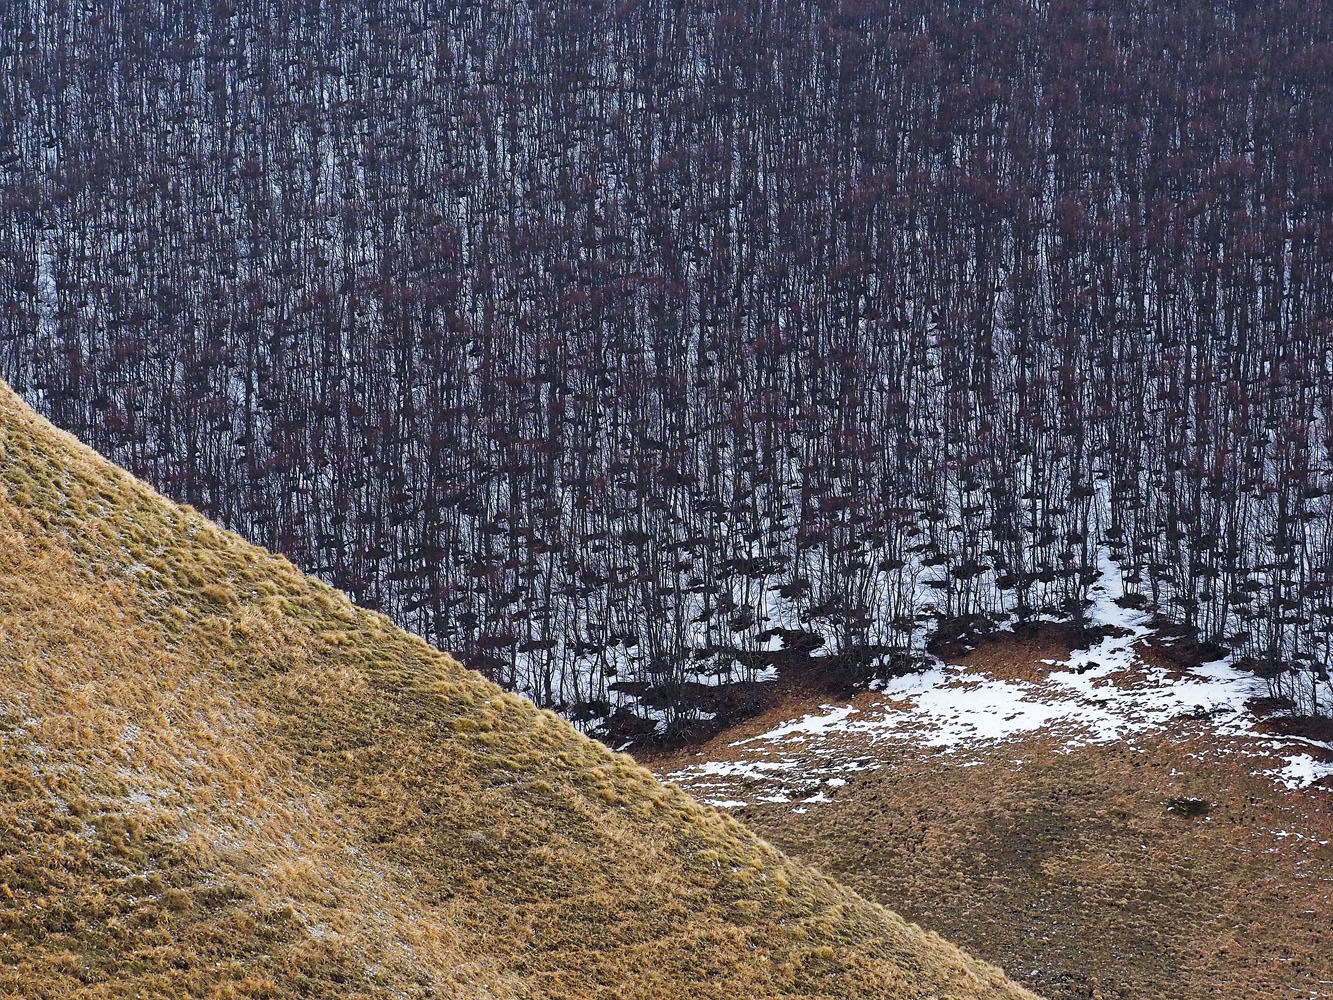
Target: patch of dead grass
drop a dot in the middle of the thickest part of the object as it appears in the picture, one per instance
(1072, 866)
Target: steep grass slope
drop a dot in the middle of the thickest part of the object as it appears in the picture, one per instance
(221, 779)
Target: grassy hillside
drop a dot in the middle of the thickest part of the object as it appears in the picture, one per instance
(221, 779)
(1169, 863)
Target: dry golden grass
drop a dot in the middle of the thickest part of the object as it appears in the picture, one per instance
(222, 780)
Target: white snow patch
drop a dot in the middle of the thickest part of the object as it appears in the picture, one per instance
(1099, 695)
(811, 725)
(1300, 771)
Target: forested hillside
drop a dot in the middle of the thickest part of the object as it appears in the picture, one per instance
(617, 346)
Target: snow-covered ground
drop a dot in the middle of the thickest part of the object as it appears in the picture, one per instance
(1104, 694)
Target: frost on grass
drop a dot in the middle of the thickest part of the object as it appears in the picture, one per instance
(1103, 694)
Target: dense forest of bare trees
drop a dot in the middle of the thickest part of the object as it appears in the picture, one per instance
(618, 345)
